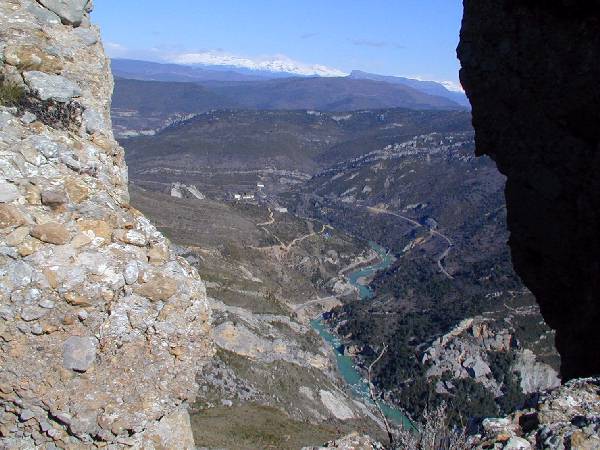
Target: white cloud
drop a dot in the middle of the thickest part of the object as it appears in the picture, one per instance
(278, 63)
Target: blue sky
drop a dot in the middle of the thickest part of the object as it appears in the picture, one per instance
(394, 37)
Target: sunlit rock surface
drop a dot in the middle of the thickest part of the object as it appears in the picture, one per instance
(103, 330)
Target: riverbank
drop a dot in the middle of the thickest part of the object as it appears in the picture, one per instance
(345, 364)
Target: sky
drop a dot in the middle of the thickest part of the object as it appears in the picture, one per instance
(414, 38)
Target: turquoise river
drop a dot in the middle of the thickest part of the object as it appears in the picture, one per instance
(346, 367)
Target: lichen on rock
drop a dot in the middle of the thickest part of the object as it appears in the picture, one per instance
(92, 302)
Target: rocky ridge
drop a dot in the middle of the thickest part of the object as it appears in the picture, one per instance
(565, 418)
(103, 329)
(465, 352)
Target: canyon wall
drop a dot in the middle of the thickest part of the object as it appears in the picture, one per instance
(530, 69)
(103, 330)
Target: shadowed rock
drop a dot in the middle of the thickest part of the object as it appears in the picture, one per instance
(530, 69)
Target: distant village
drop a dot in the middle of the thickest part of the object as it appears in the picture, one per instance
(180, 190)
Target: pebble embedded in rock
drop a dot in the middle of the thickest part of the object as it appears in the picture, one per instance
(130, 237)
(158, 288)
(517, 443)
(31, 313)
(93, 121)
(28, 118)
(10, 216)
(17, 236)
(47, 304)
(20, 274)
(77, 191)
(8, 192)
(158, 254)
(79, 353)
(51, 87)
(32, 156)
(131, 272)
(87, 35)
(54, 198)
(45, 146)
(52, 233)
(99, 228)
(70, 11)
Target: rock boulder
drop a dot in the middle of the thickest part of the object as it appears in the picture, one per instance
(70, 11)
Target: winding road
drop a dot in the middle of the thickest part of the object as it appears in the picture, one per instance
(442, 256)
(315, 301)
(270, 221)
(286, 247)
(373, 209)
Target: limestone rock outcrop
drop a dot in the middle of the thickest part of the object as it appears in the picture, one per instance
(466, 350)
(103, 329)
(567, 417)
(530, 69)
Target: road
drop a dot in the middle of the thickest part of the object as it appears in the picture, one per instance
(271, 220)
(283, 246)
(413, 222)
(441, 257)
(306, 236)
(315, 301)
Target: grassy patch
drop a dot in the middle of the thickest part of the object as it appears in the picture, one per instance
(10, 94)
(255, 426)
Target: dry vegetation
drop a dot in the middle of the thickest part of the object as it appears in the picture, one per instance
(10, 94)
(436, 434)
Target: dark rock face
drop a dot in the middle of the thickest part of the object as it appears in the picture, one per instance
(531, 71)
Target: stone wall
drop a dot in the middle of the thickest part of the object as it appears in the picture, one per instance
(530, 69)
(103, 330)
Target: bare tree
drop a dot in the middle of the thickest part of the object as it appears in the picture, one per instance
(435, 434)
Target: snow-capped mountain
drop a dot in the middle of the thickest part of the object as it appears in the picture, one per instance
(276, 64)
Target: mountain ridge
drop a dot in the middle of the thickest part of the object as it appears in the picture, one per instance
(155, 71)
(428, 87)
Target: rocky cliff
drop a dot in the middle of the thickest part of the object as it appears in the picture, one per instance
(531, 71)
(103, 330)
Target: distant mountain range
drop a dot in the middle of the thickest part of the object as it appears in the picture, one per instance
(151, 71)
(337, 88)
(428, 87)
(142, 107)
